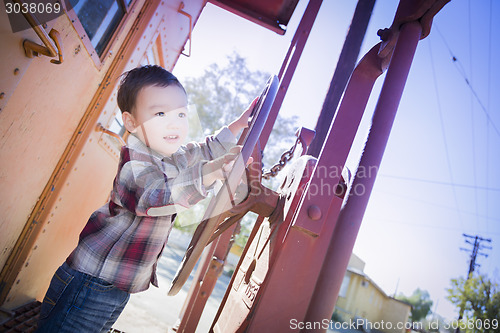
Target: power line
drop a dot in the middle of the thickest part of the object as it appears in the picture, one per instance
(423, 225)
(413, 199)
(440, 112)
(473, 132)
(489, 105)
(461, 70)
(437, 182)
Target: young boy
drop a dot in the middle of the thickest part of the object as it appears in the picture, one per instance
(157, 176)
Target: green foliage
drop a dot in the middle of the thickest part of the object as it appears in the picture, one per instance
(421, 304)
(337, 317)
(188, 220)
(223, 92)
(479, 298)
(220, 95)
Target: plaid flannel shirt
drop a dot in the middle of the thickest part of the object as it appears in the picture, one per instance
(123, 240)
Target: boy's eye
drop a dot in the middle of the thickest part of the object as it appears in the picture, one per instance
(160, 114)
(182, 114)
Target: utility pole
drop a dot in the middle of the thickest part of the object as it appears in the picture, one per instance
(475, 251)
(476, 247)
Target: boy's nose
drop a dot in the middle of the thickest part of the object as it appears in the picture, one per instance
(172, 123)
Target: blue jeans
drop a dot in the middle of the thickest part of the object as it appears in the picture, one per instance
(78, 302)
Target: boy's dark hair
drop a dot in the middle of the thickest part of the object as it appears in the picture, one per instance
(134, 80)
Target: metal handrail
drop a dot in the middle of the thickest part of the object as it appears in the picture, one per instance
(33, 49)
(103, 129)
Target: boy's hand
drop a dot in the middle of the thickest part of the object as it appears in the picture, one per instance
(215, 169)
(242, 122)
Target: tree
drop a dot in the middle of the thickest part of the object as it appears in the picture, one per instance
(479, 298)
(220, 95)
(223, 92)
(420, 302)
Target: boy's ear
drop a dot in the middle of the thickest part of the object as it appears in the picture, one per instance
(129, 122)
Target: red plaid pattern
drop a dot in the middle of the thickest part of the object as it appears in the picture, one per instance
(123, 240)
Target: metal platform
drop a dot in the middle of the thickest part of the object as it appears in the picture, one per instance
(22, 319)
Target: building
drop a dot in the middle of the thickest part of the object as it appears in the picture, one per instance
(362, 301)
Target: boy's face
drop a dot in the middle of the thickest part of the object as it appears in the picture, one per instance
(160, 118)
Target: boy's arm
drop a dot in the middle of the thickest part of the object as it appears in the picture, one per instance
(146, 190)
(215, 169)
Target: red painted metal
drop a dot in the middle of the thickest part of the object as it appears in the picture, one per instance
(351, 215)
(260, 200)
(194, 303)
(293, 280)
(344, 67)
(205, 278)
(235, 312)
(214, 257)
(271, 14)
(294, 263)
(290, 64)
(297, 265)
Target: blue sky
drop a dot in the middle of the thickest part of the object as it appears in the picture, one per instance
(439, 176)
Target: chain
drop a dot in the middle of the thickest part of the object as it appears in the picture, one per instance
(285, 157)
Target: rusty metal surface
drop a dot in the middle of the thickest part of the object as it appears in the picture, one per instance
(422, 11)
(260, 200)
(309, 267)
(272, 14)
(290, 63)
(341, 135)
(263, 246)
(67, 146)
(218, 207)
(22, 319)
(300, 258)
(205, 278)
(68, 195)
(348, 221)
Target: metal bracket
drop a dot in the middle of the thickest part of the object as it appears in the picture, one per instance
(260, 199)
(217, 265)
(32, 49)
(100, 128)
(409, 11)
